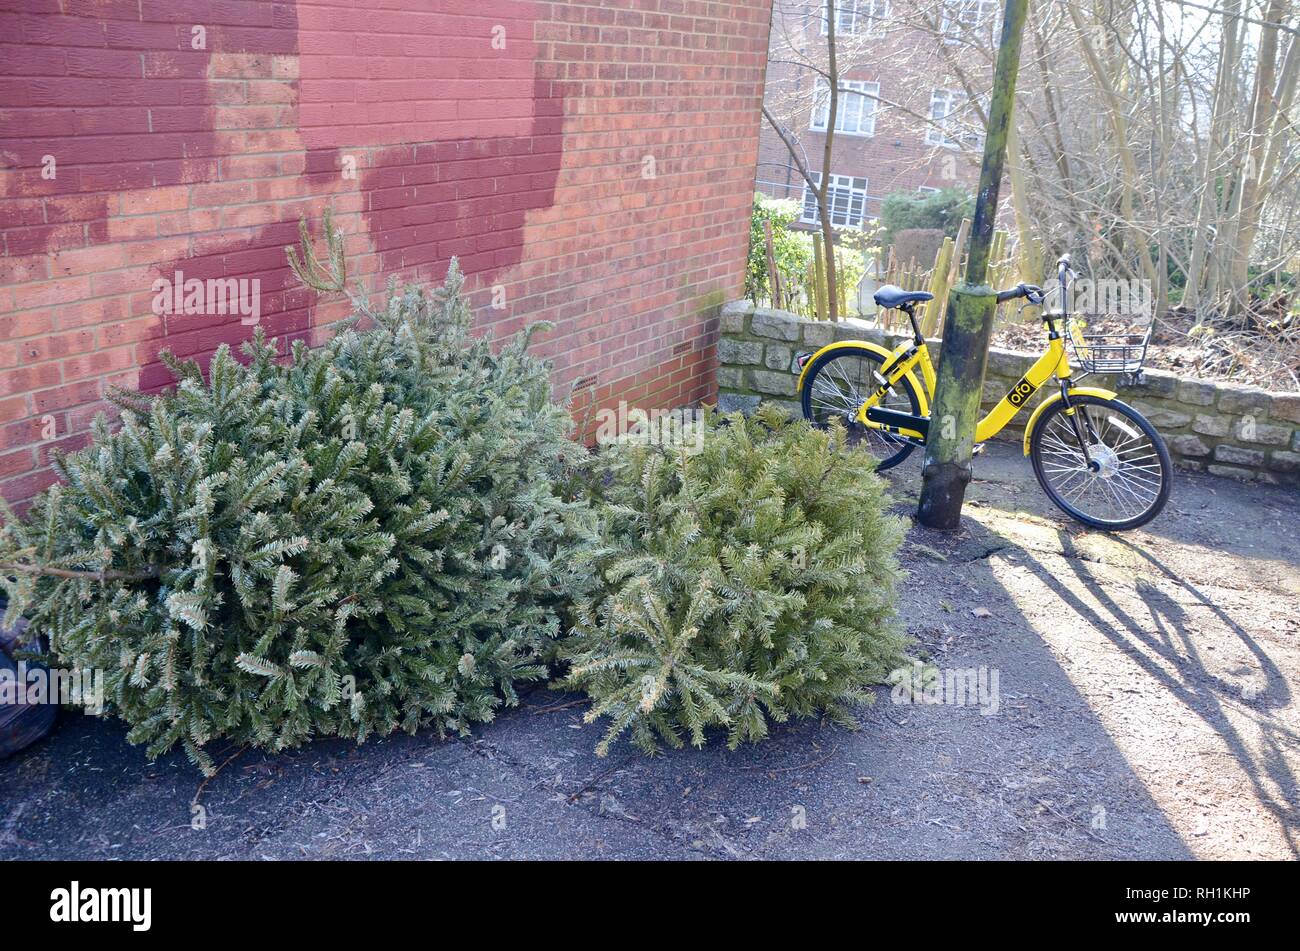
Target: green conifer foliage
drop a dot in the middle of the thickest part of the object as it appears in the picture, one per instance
(749, 581)
(365, 537)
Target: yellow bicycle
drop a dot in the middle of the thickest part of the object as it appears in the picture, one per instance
(1098, 459)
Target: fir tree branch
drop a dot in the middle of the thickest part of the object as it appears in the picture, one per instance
(105, 575)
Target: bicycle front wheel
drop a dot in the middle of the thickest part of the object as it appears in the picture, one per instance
(1124, 481)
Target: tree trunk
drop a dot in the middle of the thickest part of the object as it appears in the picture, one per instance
(1128, 164)
(1198, 281)
(969, 321)
(827, 233)
(1264, 110)
(1029, 254)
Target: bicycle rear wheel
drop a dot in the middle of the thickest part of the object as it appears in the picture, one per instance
(1126, 482)
(837, 385)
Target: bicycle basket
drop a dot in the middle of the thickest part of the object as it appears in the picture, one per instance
(1108, 351)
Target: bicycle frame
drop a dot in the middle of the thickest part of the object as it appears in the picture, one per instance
(907, 357)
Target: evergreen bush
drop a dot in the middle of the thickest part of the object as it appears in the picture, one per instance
(791, 249)
(368, 536)
(943, 209)
(748, 581)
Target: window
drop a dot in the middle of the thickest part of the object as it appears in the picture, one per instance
(945, 104)
(866, 17)
(966, 19)
(856, 112)
(846, 199)
(927, 190)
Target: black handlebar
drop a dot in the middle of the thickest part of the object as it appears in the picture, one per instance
(1031, 291)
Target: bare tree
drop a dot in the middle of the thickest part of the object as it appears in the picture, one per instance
(791, 35)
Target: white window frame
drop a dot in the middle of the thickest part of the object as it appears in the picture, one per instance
(941, 130)
(846, 193)
(959, 19)
(927, 190)
(858, 101)
(857, 17)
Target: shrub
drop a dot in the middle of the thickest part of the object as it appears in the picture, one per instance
(850, 266)
(791, 249)
(943, 209)
(748, 581)
(365, 538)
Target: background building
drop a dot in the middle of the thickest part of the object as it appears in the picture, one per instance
(905, 122)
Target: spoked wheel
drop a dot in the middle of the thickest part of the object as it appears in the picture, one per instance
(1125, 485)
(839, 382)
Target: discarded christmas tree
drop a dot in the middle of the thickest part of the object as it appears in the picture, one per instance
(751, 580)
(368, 537)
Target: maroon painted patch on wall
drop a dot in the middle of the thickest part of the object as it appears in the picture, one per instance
(433, 123)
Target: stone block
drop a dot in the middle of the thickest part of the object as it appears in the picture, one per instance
(746, 352)
(772, 383)
(775, 324)
(1238, 455)
(731, 402)
(1189, 446)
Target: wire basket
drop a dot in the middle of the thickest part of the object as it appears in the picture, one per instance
(1110, 352)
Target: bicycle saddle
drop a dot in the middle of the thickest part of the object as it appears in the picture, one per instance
(893, 296)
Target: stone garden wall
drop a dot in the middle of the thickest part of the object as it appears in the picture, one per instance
(1223, 428)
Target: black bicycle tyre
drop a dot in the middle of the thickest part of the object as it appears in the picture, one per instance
(821, 364)
(1036, 454)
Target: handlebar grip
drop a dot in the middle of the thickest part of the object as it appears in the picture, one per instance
(1032, 291)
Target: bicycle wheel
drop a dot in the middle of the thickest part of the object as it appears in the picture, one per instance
(839, 382)
(1128, 482)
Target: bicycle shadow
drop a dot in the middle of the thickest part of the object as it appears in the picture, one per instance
(1171, 653)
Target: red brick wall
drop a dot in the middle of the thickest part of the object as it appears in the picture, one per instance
(591, 162)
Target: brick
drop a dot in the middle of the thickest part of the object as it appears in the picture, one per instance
(17, 462)
(175, 198)
(30, 324)
(26, 486)
(73, 394)
(26, 379)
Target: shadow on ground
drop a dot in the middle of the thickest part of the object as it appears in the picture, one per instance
(1144, 710)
